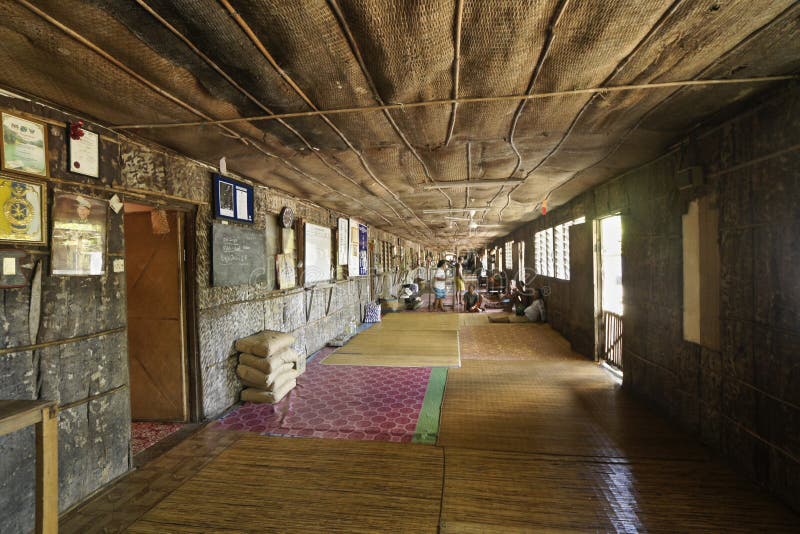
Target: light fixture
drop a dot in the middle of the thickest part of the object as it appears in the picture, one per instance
(470, 183)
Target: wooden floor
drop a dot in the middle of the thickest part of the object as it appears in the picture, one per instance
(529, 441)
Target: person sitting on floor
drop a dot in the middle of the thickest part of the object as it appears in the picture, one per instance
(536, 312)
(473, 302)
(521, 299)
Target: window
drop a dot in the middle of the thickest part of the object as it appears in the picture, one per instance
(521, 261)
(539, 253)
(551, 250)
(508, 255)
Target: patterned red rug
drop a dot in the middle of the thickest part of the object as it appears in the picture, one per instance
(341, 402)
(147, 434)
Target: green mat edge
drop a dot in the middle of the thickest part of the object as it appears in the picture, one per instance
(428, 422)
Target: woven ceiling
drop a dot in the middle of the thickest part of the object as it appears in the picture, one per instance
(160, 62)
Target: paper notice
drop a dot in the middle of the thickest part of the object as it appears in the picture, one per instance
(9, 266)
(242, 213)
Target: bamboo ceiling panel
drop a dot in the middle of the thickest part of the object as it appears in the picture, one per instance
(155, 63)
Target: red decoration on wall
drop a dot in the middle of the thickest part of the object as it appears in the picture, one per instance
(76, 130)
(544, 207)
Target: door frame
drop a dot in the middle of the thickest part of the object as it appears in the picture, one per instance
(599, 327)
(188, 264)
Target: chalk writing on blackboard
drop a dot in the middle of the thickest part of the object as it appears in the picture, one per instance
(238, 255)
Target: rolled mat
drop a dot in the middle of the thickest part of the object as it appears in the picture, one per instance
(256, 379)
(270, 363)
(265, 343)
(271, 397)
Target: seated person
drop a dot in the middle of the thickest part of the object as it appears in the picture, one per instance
(521, 299)
(473, 302)
(506, 300)
(536, 312)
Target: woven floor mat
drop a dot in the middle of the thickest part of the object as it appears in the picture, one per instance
(400, 348)
(510, 492)
(264, 484)
(513, 342)
(558, 407)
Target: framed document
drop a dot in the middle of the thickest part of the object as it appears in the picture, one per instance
(78, 244)
(84, 154)
(233, 200)
(22, 211)
(24, 145)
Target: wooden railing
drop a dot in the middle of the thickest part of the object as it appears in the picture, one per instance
(612, 339)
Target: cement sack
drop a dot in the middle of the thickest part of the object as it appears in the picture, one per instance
(270, 363)
(300, 364)
(265, 343)
(271, 397)
(256, 379)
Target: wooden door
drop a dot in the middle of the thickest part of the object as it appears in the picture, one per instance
(156, 327)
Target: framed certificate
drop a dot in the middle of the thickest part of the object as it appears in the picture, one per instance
(22, 211)
(233, 200)
(84, 154)
(24, 145)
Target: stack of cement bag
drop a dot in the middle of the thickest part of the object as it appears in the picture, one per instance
(268, 366)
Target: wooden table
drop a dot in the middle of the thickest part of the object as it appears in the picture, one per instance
(18, 414)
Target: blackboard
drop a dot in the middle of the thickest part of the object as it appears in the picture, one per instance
(238, 255)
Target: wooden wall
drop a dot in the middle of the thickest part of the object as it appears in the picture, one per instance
(743, 399)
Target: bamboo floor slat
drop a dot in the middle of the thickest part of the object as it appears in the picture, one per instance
(511, 492)
(123, 502)
(419, 321)
(541, 407)
(263, 484)
(548, 442)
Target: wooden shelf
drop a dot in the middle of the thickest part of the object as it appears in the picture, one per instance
(18, 414)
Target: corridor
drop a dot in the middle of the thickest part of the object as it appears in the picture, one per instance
(533, 437)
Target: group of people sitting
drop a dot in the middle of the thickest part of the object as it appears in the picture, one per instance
(516, 299)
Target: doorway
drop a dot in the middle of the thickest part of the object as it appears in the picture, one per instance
(157, 323)
(610, 292)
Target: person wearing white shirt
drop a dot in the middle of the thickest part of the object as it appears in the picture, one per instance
(440, 285)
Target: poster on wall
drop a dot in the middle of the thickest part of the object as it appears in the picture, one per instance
(24, 145)
(79, 235)
(233, 200)
(352, 256)
(284, 265)
(22, 213)
(317, 254)
(343, 234)
(363, 258)
(84, 154)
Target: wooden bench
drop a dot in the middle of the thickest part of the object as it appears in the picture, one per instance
(18, 414)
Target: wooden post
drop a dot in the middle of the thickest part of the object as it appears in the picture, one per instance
(47, 471)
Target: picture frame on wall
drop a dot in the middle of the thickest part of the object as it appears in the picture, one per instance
(78, 240)
(22, 210)
(24, 146)
(84, 154)
(233, 200)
